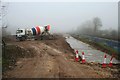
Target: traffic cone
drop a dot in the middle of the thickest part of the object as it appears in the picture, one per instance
(110, 64)
(104, 62)
(77, 56)
(83, 58)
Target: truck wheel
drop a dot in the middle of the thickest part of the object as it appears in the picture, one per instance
(23, 38)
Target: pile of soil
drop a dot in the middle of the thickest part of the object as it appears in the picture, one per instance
(10, 55)
(59, 43)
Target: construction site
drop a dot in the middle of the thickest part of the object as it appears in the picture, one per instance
(42, 41)
(51, 59)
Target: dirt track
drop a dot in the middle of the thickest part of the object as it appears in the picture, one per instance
(53, 59)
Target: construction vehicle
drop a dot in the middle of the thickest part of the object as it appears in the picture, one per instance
(38, 32)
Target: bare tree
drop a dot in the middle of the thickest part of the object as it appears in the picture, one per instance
(86, 28)
(90, 27)
(97, 24)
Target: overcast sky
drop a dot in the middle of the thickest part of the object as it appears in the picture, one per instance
(62, 16)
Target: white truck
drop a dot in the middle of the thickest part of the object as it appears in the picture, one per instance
(32, 33)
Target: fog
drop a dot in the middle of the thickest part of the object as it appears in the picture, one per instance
(119, 18)
(62, 16)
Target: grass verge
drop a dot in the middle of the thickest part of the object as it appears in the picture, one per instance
(99, 46)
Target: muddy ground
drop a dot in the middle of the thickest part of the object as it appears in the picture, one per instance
(51, 59)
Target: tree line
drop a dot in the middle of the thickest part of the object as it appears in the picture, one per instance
(93, 28)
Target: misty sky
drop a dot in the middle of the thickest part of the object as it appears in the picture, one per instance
(61, 16)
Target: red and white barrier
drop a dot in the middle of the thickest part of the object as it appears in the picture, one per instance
(104, 62)
(77, 56)
(83, 58)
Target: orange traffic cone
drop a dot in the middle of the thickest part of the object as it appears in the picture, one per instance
(77, 56)
(83, 58)
(104, 62)
(110, 64)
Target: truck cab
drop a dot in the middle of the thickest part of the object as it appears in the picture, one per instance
(21, 34)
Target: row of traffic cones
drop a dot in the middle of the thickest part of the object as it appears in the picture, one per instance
(104, 65)
(77, 57)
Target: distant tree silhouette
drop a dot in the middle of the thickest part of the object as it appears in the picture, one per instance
(97, 24)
